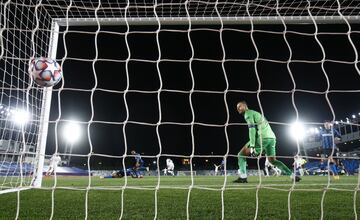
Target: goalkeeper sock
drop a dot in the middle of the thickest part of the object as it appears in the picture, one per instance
(242, 165)
(284, 169)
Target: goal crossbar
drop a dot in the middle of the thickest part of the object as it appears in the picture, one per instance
(207, 20)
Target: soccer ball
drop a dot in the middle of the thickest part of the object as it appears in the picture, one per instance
(45, 71)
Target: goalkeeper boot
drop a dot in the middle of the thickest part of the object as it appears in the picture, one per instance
(240, 180)
(296, 177)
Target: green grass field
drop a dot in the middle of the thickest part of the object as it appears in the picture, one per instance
(104, 199)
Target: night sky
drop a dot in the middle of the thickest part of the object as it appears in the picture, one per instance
(209, 108)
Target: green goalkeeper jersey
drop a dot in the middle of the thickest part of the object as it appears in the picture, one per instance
(258, 126)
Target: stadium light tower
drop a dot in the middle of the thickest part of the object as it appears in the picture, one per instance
(71, 133)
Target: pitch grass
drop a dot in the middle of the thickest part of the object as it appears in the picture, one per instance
(104, 199)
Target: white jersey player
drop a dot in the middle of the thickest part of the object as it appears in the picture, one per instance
(54, 162)
(299, 163)
(268, 165)
(165, 171)
(217, 168)
(170, 167)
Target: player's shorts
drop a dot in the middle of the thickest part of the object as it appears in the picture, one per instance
(118, 174)
(140, 164)
(268, 146)
(327, 152)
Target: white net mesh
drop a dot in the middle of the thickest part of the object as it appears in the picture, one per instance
(163, 78)
(20, 103)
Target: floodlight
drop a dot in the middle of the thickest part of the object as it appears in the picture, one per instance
(19, 116)
(316, 131)
(297, 131)
(72, 131)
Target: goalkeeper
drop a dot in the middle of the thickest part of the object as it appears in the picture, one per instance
(262, 139)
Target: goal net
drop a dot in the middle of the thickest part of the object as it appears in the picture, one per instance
(21, 103)
(162, 79)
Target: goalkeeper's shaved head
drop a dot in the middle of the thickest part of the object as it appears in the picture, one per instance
(242, 102)
(241, 107)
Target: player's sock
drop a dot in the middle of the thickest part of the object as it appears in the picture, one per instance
(284, 169)
(277, 171)
(301, 171)
(242, 166)
(333, 169)
(137, 173)
(266, 171)
(107, 177)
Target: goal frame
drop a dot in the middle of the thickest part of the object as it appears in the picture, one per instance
(207, 20)
(60, 22)
(36, 181)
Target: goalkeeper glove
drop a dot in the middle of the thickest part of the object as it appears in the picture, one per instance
(253, 153)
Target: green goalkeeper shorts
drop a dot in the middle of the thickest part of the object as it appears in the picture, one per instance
(268, 146)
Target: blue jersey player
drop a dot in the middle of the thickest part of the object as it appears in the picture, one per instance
(328, 135)
(121, 174)
(139, 164)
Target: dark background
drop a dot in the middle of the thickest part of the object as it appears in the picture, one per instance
(103, 113)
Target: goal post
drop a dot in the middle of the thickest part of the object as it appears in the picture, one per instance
(44, 118)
